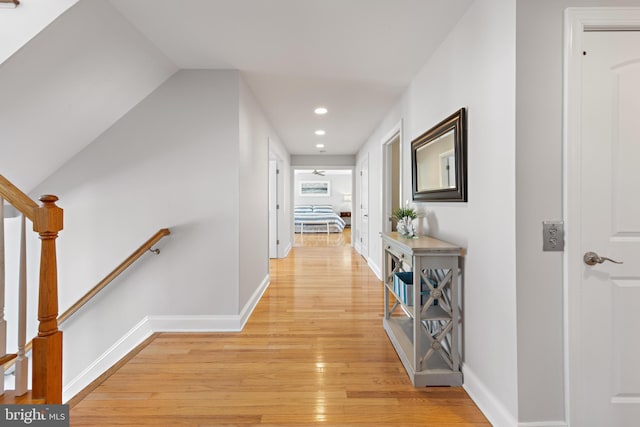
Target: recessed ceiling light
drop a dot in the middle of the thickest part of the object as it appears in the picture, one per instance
(319, 145)
(320, 110)
(320, 132)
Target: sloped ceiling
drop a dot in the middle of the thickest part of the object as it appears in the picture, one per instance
(68, 85)
(101, 57)
(18, 26)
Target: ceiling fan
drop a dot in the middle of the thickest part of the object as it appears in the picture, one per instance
(317, 172)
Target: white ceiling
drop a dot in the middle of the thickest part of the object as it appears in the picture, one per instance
(324, 171)
(100, 58)
(355, 57)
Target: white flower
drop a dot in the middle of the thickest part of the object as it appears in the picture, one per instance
(405, 227)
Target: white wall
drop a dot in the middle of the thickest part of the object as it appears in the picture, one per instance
(473, 68)
(540, 48)
(323, 160)
(70, 84)
(257, 137)
(340, 184)
(172, 161)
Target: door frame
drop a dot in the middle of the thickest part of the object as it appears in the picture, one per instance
(358, 242)
(293, 189)
(395, 132)
(274, 202)
(577, 20)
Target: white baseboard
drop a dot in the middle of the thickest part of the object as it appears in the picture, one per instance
(287, 250)
(152, 324)
(490, 406)
(376, 270)
(544, 424)
(195, 323)
(117, 351)
(248, 308)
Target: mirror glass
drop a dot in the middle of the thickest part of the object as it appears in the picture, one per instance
(439, 161)
(436, 164)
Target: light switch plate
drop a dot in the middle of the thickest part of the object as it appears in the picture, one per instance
(553, 236)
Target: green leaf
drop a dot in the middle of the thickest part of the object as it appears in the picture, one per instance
(400, 213)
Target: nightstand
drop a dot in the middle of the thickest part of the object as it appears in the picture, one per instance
(346, 216)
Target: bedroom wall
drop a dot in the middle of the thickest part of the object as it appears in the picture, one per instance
(322, 160)
(172, 161)
(340, 184)
(539, 73)
(474, 68)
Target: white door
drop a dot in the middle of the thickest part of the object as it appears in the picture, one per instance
(606, 310)
(364, 207)
(273, 209)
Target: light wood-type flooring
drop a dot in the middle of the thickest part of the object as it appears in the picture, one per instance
(313, 353)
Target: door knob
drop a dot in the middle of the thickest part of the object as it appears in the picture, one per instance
(592, 258)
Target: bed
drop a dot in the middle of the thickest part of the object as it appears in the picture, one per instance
(317, 219)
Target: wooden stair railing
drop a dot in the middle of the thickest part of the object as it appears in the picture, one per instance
(145, 247)
(9, 3)
(47, 346)
(7, 358)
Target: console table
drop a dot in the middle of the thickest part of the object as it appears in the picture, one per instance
(423, 328)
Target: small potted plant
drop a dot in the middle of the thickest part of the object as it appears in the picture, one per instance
(404, 218)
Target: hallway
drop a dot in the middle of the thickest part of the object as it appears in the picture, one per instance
(313, 352)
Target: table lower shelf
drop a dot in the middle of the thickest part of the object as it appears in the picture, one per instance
(436, 374)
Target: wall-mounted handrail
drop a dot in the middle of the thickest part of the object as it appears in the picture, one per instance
(17, 198)
(146, 246)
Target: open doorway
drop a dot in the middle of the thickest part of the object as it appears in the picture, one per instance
(322, 206)
(392, 177)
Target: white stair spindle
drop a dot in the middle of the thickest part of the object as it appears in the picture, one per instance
(3, 322)
(22, 363)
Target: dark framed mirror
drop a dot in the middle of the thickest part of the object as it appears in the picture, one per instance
(439, 161)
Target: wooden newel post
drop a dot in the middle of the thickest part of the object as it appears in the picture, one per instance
(47, 346)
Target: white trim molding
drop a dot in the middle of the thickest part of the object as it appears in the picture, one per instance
(486, 401)
(577, 21)
(287, 250)
(395, 132)
(248, 308)
(544, 424)
(115, 353)
(375, 268)
(153, 324)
